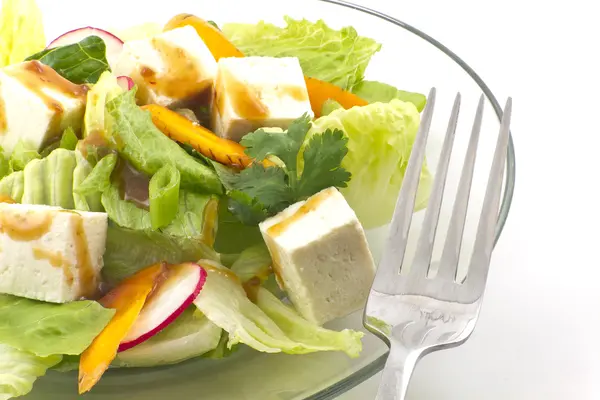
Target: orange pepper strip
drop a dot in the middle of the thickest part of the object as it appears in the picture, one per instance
(182, 130)
(128, 299)
(318, 91)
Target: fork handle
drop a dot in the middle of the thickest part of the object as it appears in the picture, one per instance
(397, 372)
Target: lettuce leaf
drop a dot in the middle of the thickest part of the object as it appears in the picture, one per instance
(21, 31)
(339, 57)
(131, 132)
(13, 186)
(373, 92)
(104, 90)
(45, 329)
(22, 154)
(190, 335)
(19, 370)
(91, 201)
(253, 262)
(164, 196)
(128, 251)
(381, 136)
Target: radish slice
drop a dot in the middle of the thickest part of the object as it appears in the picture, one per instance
(169, 300)
(114, 45)
(125, 82)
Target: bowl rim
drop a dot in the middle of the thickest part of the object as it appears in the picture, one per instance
(377, 365)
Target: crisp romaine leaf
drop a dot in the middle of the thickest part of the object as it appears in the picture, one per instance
(339, 57)
(124, 213)
(68, 140)
(92, 201)
(19, 370)
(5, 168)
(12, 186)
(380, 139)
(132, 133)
(190, 219)
(253, 262)
(222, 350)
(21, 31)
(164, 196)
(309, 334)
(22, 154)
(49, 181)
(190, 335)
(45, 329)
(106, 89)
(373, 92)
(98, 180)
(322, 157)
(330, 106)
(68, 363)
(128, 251)
(81, 62)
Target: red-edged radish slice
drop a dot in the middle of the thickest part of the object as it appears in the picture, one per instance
(114, 45)
(180, 288)
(125, 82)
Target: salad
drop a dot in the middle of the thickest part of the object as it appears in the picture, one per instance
(180, 190)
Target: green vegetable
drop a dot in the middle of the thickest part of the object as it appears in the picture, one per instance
(92, 201)
(224, 302)
(50, 180)
(380, 139)
(80, 63)
(22, 154)
(69, 139)
(19, 370)
(132, 133)
(68, 363)
(330, 106)
(253, 262)
(45, 329)
(309, 334)
(5, 168)
(21, 31)
(98, 179)
(258, 192)
(164, 196)
(190, 335)
(124, 213)
(373, 92)
(12, 186)
(104, 90)
(128, 251)
(233, 236)
(339, 57)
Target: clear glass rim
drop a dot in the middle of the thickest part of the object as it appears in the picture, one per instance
(374, 367)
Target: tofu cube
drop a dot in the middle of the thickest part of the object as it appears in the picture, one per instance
(50, 254)
(257, 92)
(37, 104)
(172, 69)
(320, 256)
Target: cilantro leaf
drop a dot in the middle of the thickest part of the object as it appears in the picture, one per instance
(322, 163)
(267, 185)
(248, 210)
(284, 145)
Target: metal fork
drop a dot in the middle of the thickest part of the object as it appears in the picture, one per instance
(416, 314)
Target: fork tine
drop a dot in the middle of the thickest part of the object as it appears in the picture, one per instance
(484, 242)
(451, 252)
(420, 265)
(393, 253)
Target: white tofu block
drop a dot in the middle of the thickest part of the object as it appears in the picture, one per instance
(37, 104)
(172, 69)
(321, 256)
(50, 254)
(257, 92)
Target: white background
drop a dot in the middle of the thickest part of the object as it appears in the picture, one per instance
(539, 329)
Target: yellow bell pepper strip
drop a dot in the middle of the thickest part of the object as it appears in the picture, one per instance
(182, 130)
(128, 299)
(318, 91)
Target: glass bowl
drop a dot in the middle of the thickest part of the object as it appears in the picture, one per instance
(410, 60)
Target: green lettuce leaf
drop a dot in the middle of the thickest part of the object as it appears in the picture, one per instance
(45, 329)
(92, 201)
(190, 335)
(80, 63)
(253, 262)
(233, 236)
(49, 180)
(19, 370)
(21, 31)
(22, 154)
(104, 90)
(124, 213)
(12, 186)
(164, 196)
(380, 136)
(373, 92)
(128, 251)
(98, 179)
(339, 57)
(131, 131)
(68, 140)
